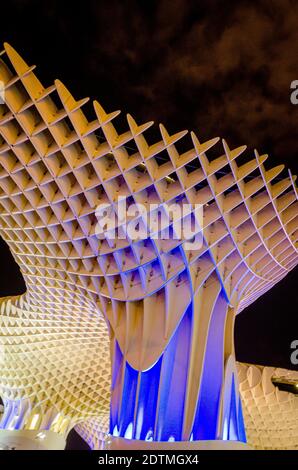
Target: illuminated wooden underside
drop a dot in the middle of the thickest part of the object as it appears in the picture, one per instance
(271, 415)
(56, 167)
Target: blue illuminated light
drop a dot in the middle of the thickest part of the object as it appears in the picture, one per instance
(150, 405)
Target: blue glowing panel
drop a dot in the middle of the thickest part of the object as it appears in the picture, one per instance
(205, 423)
(233, 424)
(7, 413)
(128, 401)
(20, 413)
(241, 425)
(173, 383)
(116, 390)
(147, 402)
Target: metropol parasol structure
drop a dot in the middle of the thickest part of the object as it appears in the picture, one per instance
(128, 340)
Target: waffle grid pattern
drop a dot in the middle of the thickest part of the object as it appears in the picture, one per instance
(56, 167)
(271, 415)
(55, 171)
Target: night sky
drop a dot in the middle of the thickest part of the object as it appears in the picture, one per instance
(218, 67)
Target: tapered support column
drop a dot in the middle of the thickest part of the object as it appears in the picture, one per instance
(189, 392)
